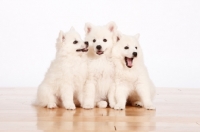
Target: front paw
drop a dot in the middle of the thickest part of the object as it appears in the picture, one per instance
(112, 104)
(102, 104)
(51, 105)
(150, 107)
(88, 105)
(137, 104)
(69, 106)
(119, 106)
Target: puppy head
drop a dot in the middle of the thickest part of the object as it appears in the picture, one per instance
(100, 38)
(126, 49)
(70, 43)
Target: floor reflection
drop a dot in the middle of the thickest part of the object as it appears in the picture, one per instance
(97, 119)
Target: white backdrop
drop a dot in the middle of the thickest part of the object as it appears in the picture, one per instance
(170, 36)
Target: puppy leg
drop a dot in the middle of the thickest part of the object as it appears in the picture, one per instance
(144, 93)
(111, 96)
(79, 98)
(89, 95)
(134, 99)
(121, 97)
(67, 92)
(45, 96)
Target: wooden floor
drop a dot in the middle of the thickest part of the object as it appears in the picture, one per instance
(177, 110)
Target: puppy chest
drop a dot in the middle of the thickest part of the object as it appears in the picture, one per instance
(126, 76)
(101, 68)
(102, 87)
(74, 71)
(102, 72)
(104, 81)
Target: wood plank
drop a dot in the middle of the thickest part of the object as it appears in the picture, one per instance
(177, 110)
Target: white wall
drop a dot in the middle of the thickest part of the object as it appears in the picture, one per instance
(170, 36)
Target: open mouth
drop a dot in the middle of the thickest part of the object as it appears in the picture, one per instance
(79, 50)
(83, 50)
(99, 52)
(129, 62)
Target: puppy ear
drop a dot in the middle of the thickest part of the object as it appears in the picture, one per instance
(61, 37)
(117, 36)
(112, 27)
(88, 28)
(137, 36)
(72, 29)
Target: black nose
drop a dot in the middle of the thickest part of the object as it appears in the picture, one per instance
(86, 43)
(98, 47)
(135, 54)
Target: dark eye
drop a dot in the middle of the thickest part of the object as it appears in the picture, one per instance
(94, 40)
(75, 42)
(136, 47)
(104, 40)
(126, 47)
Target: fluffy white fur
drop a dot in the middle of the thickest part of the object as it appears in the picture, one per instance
(66, 75)
(131, 78)
(100, 79)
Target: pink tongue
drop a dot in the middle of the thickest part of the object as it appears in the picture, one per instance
(99, 52)
(129, 61)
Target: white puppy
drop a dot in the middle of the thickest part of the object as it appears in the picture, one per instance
(132, 79)
(100, 66)
(66, 75)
